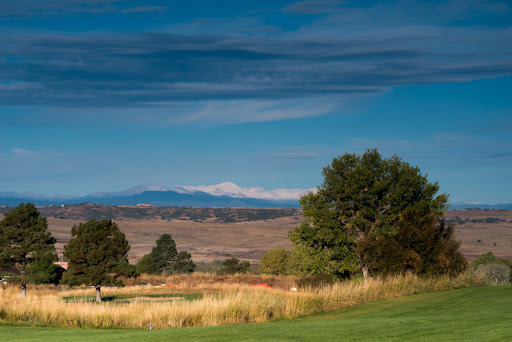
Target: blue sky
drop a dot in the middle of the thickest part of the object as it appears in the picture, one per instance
(102, 95)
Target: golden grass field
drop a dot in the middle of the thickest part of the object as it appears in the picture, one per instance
(208, 241)
(229, 300)
(205, 241)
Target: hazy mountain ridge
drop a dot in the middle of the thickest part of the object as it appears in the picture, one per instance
(226, 194)
(163, 196)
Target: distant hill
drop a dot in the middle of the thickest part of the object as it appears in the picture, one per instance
(88, 211)
(481, 206)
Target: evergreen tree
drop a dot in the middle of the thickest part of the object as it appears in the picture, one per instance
(164, 253)
(24, 238)
(233, 266)
(147, 265)
(94, 251)
(183, 263)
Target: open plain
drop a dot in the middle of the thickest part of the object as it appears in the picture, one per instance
(220, 233)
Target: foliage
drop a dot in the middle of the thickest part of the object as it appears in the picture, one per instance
(490, 258)
(362, 197)
(422, 244)
(183, 263)
(125, 269)
(274, 261)
(25, 239)
(315, 281)
(147, 265)
(93, 252)
(43, 269)
(496, 274)
(233, 265)
(164, 253)
(306, 260)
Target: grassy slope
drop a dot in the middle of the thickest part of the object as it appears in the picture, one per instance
(472, 314)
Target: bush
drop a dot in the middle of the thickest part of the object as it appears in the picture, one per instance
(233, 265)
(274, 261)
(496, 274)
(315, 281)
(489, 258)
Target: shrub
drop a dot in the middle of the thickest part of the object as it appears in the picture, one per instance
(274, 261)
(315, 281)
(490, 258)
(496, 274)
(233, 265)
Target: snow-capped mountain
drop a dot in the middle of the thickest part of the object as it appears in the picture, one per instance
(223, 195)
(232, 190)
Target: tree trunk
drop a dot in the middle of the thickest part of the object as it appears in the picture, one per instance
(23, 290)
(23, 286)
(98, 294)
(364, 268)
(365, 274)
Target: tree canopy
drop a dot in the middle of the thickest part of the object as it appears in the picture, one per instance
(274, 261)
(147, 265)
(233, 266)
(183, 263)
(94, 251)
(164, 253)
(25, 239)
(362, 197)
(164, 257)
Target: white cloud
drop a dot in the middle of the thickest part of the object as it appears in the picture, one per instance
(24, 153)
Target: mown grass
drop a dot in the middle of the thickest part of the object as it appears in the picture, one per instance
(469, 314)
(222, 303)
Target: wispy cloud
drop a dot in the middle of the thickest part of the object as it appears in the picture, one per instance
(25, 9)
(24, 153)
(235, 77)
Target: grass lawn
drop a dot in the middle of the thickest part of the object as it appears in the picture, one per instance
(471, 314)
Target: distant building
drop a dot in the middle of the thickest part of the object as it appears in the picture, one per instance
(144, 205)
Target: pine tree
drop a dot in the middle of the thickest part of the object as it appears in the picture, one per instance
(93, 252)
(183, 263)
(164, 253)
(24, 236)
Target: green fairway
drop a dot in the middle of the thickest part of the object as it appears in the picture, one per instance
(471, 314)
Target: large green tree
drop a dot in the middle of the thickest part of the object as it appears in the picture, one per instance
(24, 239)
(362, 197)
(94, 251)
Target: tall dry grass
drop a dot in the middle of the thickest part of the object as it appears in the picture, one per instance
(223, 302)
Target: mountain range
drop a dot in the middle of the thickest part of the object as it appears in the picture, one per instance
(220, 195)
(226, 194)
